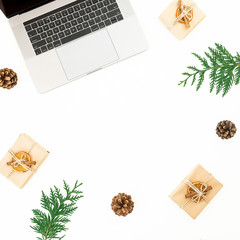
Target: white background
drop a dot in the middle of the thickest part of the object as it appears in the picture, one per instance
(129, 128)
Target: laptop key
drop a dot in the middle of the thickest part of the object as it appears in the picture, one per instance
(94, 1)
(40, 23)
(34, 25)
(113, 13)
(120, 17)
(85, 25)
(92, 15)
(104, 17)
(83, 5)
(46, 20)
(52, 25)
(104, 10)
(88, 10)
(107, 22)
(79, 27)
(28, 28)
(74, 23)
(44, 49)
(45, 28)
(76, 15)
(101, 25)
(40, 30)
(91, 22)
(39, 44)
(64, 20)
(94, 7)
(35, 39)
(76, 8)
(56, 30)
(57, 43)
(95, 28)
(38, 51)
(58, 23)
(80, 20)
(68, 25)
(86, 18)
(52, 18)
(43, 35)
(32, 33)
(70, 17)
(106, 2)
(114, 20)
(50, 33)
(97, 19)
(100, 5)
(67, 32)
(112, 1)
(62, 28)
(55, 37)
(89, 3)
(73, 30)
(76, 35)
(98, 13)
(112, 7)
(82, 12)
(61, 35)
(49, 40)
(58, 15)
(70, 10)
(64, 13)
(50, 46)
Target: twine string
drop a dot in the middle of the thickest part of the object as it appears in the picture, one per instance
(200, 193)
(20, 161)
(183, 14)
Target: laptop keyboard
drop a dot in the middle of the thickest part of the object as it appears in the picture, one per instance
(71, 22)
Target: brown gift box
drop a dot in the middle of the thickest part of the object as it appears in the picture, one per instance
(180, 30)
(191, 207)
(23, 144)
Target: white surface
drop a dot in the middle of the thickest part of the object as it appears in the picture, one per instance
(129, 128)
(87, 54)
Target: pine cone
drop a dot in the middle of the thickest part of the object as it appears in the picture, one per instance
(122, 204)
(8, 78)
(226, 129)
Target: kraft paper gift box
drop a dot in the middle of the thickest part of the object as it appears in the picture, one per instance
(16, 163)
(179, 29)
(192, 206)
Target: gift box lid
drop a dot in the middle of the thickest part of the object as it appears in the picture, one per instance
(198, 174)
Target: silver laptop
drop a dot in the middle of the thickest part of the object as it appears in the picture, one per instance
(63, 40)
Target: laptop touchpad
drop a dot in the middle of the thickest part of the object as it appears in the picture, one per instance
(87, 54)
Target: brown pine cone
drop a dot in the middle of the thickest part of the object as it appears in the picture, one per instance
(8, 78)
(226, 129)
(122, 204)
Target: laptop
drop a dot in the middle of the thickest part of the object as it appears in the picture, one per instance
(63, 40)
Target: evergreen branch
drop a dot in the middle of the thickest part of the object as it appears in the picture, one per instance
(223, 68)
(58, 208)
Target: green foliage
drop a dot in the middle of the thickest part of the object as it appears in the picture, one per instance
(58, 207)
(224, 70)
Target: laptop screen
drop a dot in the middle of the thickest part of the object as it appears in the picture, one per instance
(13, 7)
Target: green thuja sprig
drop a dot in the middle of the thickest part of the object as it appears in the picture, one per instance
(223, 68)
(58, 208)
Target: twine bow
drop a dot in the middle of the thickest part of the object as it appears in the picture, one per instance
(200, 193)
(183, 14)
(20, 161)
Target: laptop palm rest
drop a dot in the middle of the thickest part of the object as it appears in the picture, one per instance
(87, 54)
